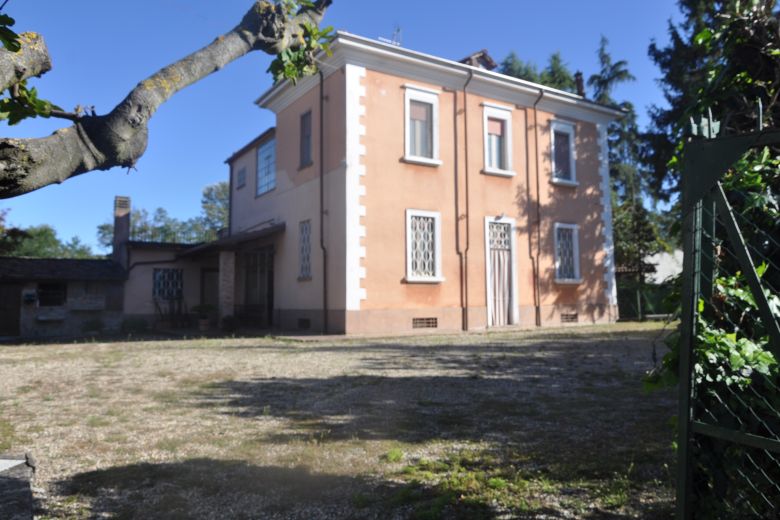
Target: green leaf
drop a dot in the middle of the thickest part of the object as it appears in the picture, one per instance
(703, 37)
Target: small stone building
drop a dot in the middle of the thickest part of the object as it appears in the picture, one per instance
(43, 297)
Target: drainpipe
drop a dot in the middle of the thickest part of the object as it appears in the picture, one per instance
(322, 208)
(537, 290)
(465, 253)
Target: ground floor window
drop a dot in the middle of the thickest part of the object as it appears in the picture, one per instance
(567, 253)
(52, 294)
(423, 246)
(168, 284)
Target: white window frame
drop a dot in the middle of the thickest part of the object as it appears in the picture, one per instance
(576, 251)
(504, 113)
(514, 319)
(423, 95)
(567, 128)
(437, 278)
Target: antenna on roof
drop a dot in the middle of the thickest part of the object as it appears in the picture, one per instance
(396, 39)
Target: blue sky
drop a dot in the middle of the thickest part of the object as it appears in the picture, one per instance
(100, 49)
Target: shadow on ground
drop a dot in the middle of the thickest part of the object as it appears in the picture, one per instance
(207, 488)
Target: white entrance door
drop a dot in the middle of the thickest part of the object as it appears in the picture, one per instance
(499, 271)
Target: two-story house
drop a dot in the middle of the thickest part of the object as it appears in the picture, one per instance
(400, 190)
(397, 191)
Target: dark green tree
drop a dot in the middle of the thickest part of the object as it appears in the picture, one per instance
(723, 56)
(42, 242)
(517, 68)
(10, 237)
(215, 205)
(557, 74)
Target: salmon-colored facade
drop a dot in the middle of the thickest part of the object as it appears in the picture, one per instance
(411, 142)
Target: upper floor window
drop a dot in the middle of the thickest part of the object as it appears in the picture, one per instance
(266, 167)
(241, 178)
(421, 126)
(497, 124)
(305, 154)
(567, 253)
(423, 246)
(562, 152)
(304, 250)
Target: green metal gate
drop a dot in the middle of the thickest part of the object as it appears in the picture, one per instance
(729, 415)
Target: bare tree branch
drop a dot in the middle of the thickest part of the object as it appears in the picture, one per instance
(119, 138)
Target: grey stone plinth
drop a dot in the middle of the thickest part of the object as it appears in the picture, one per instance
(16, 474)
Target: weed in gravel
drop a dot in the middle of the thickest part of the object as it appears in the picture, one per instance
(394, 455)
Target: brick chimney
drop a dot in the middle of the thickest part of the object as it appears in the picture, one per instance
(121, 230)
(580, 83)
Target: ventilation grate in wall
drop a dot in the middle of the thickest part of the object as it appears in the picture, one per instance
(569, 317)
(425, 323)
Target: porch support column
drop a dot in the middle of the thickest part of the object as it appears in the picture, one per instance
(227, 282)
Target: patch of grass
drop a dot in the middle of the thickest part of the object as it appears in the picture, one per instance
(6, 435)
(96, 421)
(394, 455)
(170, 444)
(615, 493)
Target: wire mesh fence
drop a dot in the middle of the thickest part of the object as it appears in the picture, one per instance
(732, 454)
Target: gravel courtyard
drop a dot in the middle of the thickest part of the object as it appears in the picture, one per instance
(551, 424)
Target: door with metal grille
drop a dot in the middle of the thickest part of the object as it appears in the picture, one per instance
(499, 271)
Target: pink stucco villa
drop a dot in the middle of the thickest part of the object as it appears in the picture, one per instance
(402, 191)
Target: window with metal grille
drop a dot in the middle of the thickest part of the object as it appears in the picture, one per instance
(563, 170)
(168, 284)
(266, 167)
(423, 250)
(305, 154)
(52, 294)
(567, 263)
(425, 323)
(304, 250)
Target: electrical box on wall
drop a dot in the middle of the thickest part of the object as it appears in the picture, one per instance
(29, 297)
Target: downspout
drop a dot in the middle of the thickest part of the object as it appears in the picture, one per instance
(322, 207)
(537, 287)
(465, 253)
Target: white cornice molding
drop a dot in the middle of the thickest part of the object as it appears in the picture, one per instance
(416, 66)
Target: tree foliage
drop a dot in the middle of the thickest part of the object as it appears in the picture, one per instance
(555, 74)
(159, 226)
(723, 56)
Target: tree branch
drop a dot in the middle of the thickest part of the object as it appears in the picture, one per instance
(30, 61)
(119, 138)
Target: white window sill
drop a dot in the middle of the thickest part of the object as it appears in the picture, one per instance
(425, 161)
(568, 281)
(495, 171)
(436, 279)
(564, 182)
